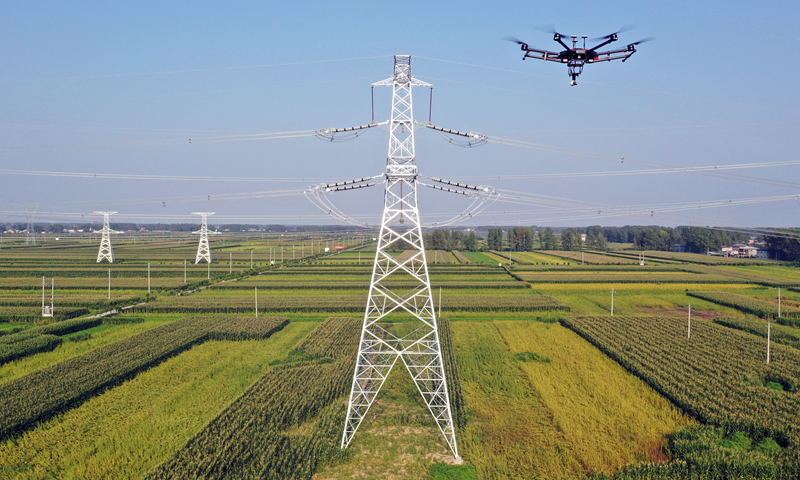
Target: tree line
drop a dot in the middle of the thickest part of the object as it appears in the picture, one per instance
(523, 239)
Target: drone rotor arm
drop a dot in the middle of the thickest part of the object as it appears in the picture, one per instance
(557, 38)
(610, 39)
(542, 55)
(609, 55)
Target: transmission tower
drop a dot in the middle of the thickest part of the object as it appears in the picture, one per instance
(30, 233)
(414, 340)
(106, 251)
(203, 249)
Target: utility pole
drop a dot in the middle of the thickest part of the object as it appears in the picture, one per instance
(689, 328)
(779, 302)
(230, 262)
(251, 259)
(769, 330)
(148, 277)
(109, 284)
(256, 301)
(184, 271)
(612, 302)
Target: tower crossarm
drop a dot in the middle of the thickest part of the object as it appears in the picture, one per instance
(474, 139)
(345, 134)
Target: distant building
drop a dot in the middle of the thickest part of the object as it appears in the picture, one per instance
(762, 253)
(679, 247)
(747, 251)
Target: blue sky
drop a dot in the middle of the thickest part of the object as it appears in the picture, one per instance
(95, 86)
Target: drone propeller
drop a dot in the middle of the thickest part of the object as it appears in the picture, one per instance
(646, 39)
(515, 40)
(551, 29)
(624, 28)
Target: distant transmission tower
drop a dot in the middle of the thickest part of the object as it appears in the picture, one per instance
(30, 233)
(106, 251)
(382, 343)
(203, 249)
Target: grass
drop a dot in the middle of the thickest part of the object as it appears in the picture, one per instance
(134, 427)
(101, 335)
(397, 439)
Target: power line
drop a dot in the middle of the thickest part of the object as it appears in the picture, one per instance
(202, 70)
(180, 178)
(177, 141)
(632, 172)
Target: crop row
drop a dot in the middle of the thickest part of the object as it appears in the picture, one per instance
(460, 257)
(39, 395)
(99, 282)
(759, 327)
(252, 439)
(762, 308)
(457, 406)
(67, 300)
(363, 285)
(40, 339)
(33, 314)
(587, 257)
(629, 278)
(602, 268)
(718, 376)
(342, 303)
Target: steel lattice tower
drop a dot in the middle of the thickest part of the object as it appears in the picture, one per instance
(30, 232)
(400, 323)
(106, 251)
(203, 249)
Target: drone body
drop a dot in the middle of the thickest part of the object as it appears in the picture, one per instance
(575, 57)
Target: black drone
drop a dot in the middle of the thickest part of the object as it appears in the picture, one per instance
(576, 57)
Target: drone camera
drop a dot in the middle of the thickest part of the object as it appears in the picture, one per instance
(556, 37)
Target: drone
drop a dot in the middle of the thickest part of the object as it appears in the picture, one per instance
(576, 57)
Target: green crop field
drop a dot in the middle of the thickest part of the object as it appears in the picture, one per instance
(182, 380)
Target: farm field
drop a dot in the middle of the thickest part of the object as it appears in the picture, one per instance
(545, 386)
(130, 429)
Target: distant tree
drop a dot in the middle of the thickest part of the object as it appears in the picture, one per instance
(571, 240)
(702, 240)
(600, 242)
(471, 242)
(495, 239)
(548, 239)
(439, 240)
(520, 239)
(784, 248)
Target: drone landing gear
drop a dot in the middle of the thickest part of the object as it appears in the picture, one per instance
(574, 68)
